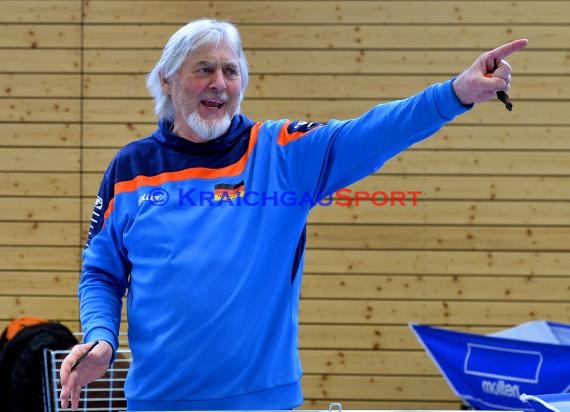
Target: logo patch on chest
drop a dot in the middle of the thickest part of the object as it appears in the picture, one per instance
(228, 190)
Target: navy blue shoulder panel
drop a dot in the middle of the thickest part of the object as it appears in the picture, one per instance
(165, 152)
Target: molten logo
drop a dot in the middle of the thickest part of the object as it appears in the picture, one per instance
(501, 388)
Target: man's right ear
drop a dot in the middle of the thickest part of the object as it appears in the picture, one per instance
(164, 83)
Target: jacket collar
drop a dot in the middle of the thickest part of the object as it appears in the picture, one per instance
(238, 126)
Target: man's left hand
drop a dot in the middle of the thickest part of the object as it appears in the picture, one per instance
(475, 86)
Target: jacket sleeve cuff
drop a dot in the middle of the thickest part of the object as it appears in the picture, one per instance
(105, 335)
(447, 103)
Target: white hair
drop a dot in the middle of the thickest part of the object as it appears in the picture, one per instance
(182, 43)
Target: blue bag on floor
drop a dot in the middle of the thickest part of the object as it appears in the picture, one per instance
(493, 371)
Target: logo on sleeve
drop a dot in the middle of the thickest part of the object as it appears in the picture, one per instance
(96, 218)
(98, 203)
(302, 127)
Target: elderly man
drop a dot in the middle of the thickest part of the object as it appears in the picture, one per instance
(192, 223)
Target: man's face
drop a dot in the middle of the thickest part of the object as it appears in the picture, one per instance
(205, 92)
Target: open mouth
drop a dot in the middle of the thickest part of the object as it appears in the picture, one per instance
(213, 104)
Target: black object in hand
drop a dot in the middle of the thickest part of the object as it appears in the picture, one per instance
(504, 97)
(87, 352)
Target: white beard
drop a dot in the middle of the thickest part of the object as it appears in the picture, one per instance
(206, 130)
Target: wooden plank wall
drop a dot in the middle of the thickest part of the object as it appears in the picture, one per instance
(485, 248)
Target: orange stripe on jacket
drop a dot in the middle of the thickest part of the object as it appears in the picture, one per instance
(285, 137)
(190, 173)
(109, 209)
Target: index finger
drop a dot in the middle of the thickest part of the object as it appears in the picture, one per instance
(509, 48)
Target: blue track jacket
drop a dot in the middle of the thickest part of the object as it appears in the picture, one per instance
(209, 239)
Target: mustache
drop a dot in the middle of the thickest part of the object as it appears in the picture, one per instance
(223, 96)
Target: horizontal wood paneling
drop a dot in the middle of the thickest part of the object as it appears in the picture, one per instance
(46, 85)
(96, 160)
(527, 112)
(40, 61)
(39, 110)
(387, 237)
(440, 187)
(39, 36)
(435, 62)
(39, 159)
(340, 387)
(39, 258)
(435, 287)
(438, 262)
(494, 213)
(432, 238)
(40, 11)
(39, 233)
(476, 187)
(58, 283)
(343, 337)
(39, 184)
(115, 134)
(40, 89)
(362, 312)
(39, 209)
(442, 212)
(431, 312)
(339, 36)
(453, 136)
(338, 337)
(373, 337)
(72, 325)
(336, 12)
(54, 308)
(497, 137)
(437, 162)
(358, 362)
(328, 86)
(484, 248)
(467, 162)
(39, 134)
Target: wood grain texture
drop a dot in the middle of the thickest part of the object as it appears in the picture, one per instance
(438, 63)
(41, 11)
(296, 35)
(531, 113)
(484, 248)
(335, 12)
(379, 87)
